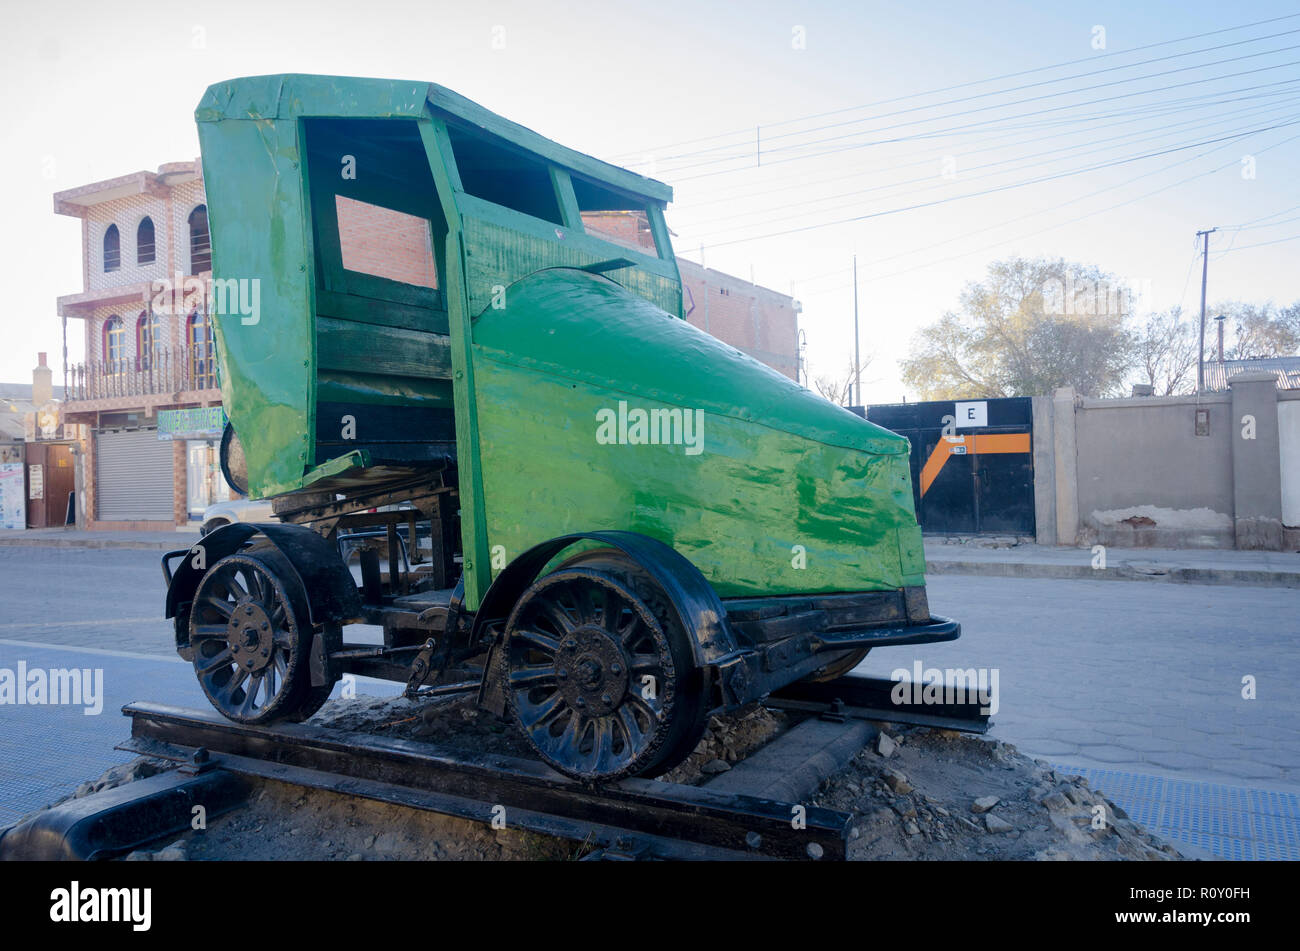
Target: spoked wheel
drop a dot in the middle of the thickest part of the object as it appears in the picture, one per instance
(838, 668)
(601, 676)
(250, 646)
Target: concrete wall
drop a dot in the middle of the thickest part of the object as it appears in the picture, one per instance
(1145, 476)
(1140, 473)
(1288, 424)
(1044, 472)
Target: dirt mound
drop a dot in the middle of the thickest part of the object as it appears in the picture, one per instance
(913, 794)
(944, 795)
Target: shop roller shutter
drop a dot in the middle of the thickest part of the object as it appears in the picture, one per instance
(133, 476)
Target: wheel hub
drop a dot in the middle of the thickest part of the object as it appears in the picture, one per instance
(250, 636)
(592, 671)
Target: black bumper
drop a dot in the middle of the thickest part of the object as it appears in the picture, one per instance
(939, 629)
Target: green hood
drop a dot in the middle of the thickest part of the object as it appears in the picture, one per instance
(779, 491)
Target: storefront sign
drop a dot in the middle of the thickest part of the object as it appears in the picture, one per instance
(200, 423)
(13, 510)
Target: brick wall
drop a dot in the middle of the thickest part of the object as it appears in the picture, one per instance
(89, 465)
(180, 485)
(386, 243)
(756, 320)
(126, 214)
(183, 199)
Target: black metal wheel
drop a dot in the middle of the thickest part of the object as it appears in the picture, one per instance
(250, 643)
(600, 673)
(838, 668)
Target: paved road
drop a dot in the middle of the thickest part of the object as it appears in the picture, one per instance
(1131, 675)
(1137, 684)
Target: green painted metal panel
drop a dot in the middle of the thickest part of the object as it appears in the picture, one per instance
(295, 95)
(500, 253)
(778, 492)
(257, 219)
(545, 366)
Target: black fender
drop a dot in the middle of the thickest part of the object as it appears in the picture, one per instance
(330, 588)
(692, 597)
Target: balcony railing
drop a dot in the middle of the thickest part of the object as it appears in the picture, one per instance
(164, 371)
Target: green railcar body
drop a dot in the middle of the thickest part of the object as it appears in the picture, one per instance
(549, 364)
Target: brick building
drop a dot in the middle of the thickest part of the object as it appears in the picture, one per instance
(753, 319)
(143, 361)
(148, 389)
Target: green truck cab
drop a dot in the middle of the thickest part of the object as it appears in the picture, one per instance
(630, 524)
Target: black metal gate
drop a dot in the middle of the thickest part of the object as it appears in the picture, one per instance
(972, 463)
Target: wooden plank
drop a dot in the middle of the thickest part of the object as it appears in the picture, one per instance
(503, 251)
(346, 345)
(378, 310)
(476, 566)
(569, 211)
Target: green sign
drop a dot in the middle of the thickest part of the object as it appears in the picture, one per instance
(203, 422)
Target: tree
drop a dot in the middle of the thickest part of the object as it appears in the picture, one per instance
(1165, 348)
(839, 389)
(1258, 330)
(1027, 328)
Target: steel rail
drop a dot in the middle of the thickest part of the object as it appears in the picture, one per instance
(875, 698)
(633, 817)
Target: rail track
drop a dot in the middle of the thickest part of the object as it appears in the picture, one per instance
(220, 761)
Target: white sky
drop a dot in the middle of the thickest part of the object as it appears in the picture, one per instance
(96, 90)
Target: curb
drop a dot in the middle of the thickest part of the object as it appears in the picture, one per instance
(993, 569)
(1174, 575)
(183, 540)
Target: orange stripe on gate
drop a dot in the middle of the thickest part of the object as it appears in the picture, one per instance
(979, 443)
(938, 456)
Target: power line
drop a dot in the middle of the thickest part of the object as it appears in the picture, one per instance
(999, 188)
(976, 82)
(1252, 222)
(1061, 224)
(1000, 141)
(1141, 92)
(1070, 152)
(1261, 244)
(1001, 92)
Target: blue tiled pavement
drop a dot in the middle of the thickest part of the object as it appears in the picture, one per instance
(46, 752)
(1232, 822)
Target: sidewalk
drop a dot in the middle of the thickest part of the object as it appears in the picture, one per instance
(72, 538)
(1267, 568)
(1193, 566)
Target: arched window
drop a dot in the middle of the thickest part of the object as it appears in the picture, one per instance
(144, 241)
(112, 249)
(114, 344)
(203, 370)
(200, 242)
(148, 331)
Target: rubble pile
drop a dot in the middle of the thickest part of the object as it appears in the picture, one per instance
(912, 793)
(935, 794)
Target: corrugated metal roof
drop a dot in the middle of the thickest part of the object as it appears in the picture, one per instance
(1287, 370)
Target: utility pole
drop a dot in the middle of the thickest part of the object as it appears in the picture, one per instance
(1205, 267)
(857, 361)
